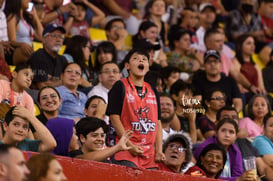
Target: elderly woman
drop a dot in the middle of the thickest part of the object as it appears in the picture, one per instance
(210, 162)
(177, 150)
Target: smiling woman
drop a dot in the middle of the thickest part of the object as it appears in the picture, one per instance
(210, 163)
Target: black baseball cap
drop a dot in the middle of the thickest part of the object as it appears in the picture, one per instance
(52, 27)
(213, 53)
(146, 45)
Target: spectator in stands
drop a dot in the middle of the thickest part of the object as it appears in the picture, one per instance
(170, 75)
(155, 79)
(80, 26)
(268, 74)
(187, 59)
(122, 9)
(212, 77)
(46, 63)
(154, 10)
(244, 144)
(91, 132)
(78, 50)
(49, 101)
(258, 107)
(245, 48)
(126, 113)
(12, 161)
(67, 140)
(214, 100)
(149, 31)
(116, 33)
(177, 149)
(225, 136)
(214, 40)
(265, 12)
(182, 94)
(167, 115)
(207, 17)
(108, 76)
(23, 27)
(46, 167)
(95, 106)
(73, 101)
(16, 127)
(54, 13)
(210, 163)
(245, 20)
(14, 92)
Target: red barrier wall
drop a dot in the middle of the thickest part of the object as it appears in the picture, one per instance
(84, 170)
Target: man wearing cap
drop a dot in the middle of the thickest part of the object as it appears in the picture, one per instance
(213, 78)
(46, 64)
(177, 150)
(207, 17)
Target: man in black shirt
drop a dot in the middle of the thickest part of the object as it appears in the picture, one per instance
(213, 78)
(46, 64)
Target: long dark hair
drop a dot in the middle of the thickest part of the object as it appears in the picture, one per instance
(145, 25)
(208, 148)
(148, 5)
(13, 8)
(74, 48)
(239, 48)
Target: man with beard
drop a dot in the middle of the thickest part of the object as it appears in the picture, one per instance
(46, 64)
(167, 115)
(182, 94)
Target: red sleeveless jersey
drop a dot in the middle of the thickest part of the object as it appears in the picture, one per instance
(140, 116)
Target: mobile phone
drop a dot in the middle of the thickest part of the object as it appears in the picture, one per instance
(30, 6)
(65, 2)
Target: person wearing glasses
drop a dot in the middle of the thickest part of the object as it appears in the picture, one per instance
(177, 150)
(73, 101)
(214, 99)
(46, 63)
(213, 77)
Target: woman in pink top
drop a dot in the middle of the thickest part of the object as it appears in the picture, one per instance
(258, 108)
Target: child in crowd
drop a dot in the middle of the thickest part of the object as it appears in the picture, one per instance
(133, 105)
(80, 26)
(14, 92)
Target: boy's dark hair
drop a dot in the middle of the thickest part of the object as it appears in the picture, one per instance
(9, 115)
(227, 120)
(151, 77)
(167, 71)
(90, 124)
(210, 32)
(108, 25)
(225, 108)
(81, 4)
(45, 87)
(21, 66)
(138, 51)
(90, 99)
(178, 86)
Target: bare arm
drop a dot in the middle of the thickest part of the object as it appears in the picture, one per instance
(99, 15)
(55, 14)
(237, 103)
(159, 155)
(175, 124)
(38, 27)
(48, 142)
(115, 8)
(105, 153)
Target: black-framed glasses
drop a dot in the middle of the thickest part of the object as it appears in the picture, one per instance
(55, 36)
(174, 146)
(218, 98)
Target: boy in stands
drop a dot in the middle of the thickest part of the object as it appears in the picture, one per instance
(133, 105)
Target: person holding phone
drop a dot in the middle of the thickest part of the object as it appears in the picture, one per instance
(23, 27)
